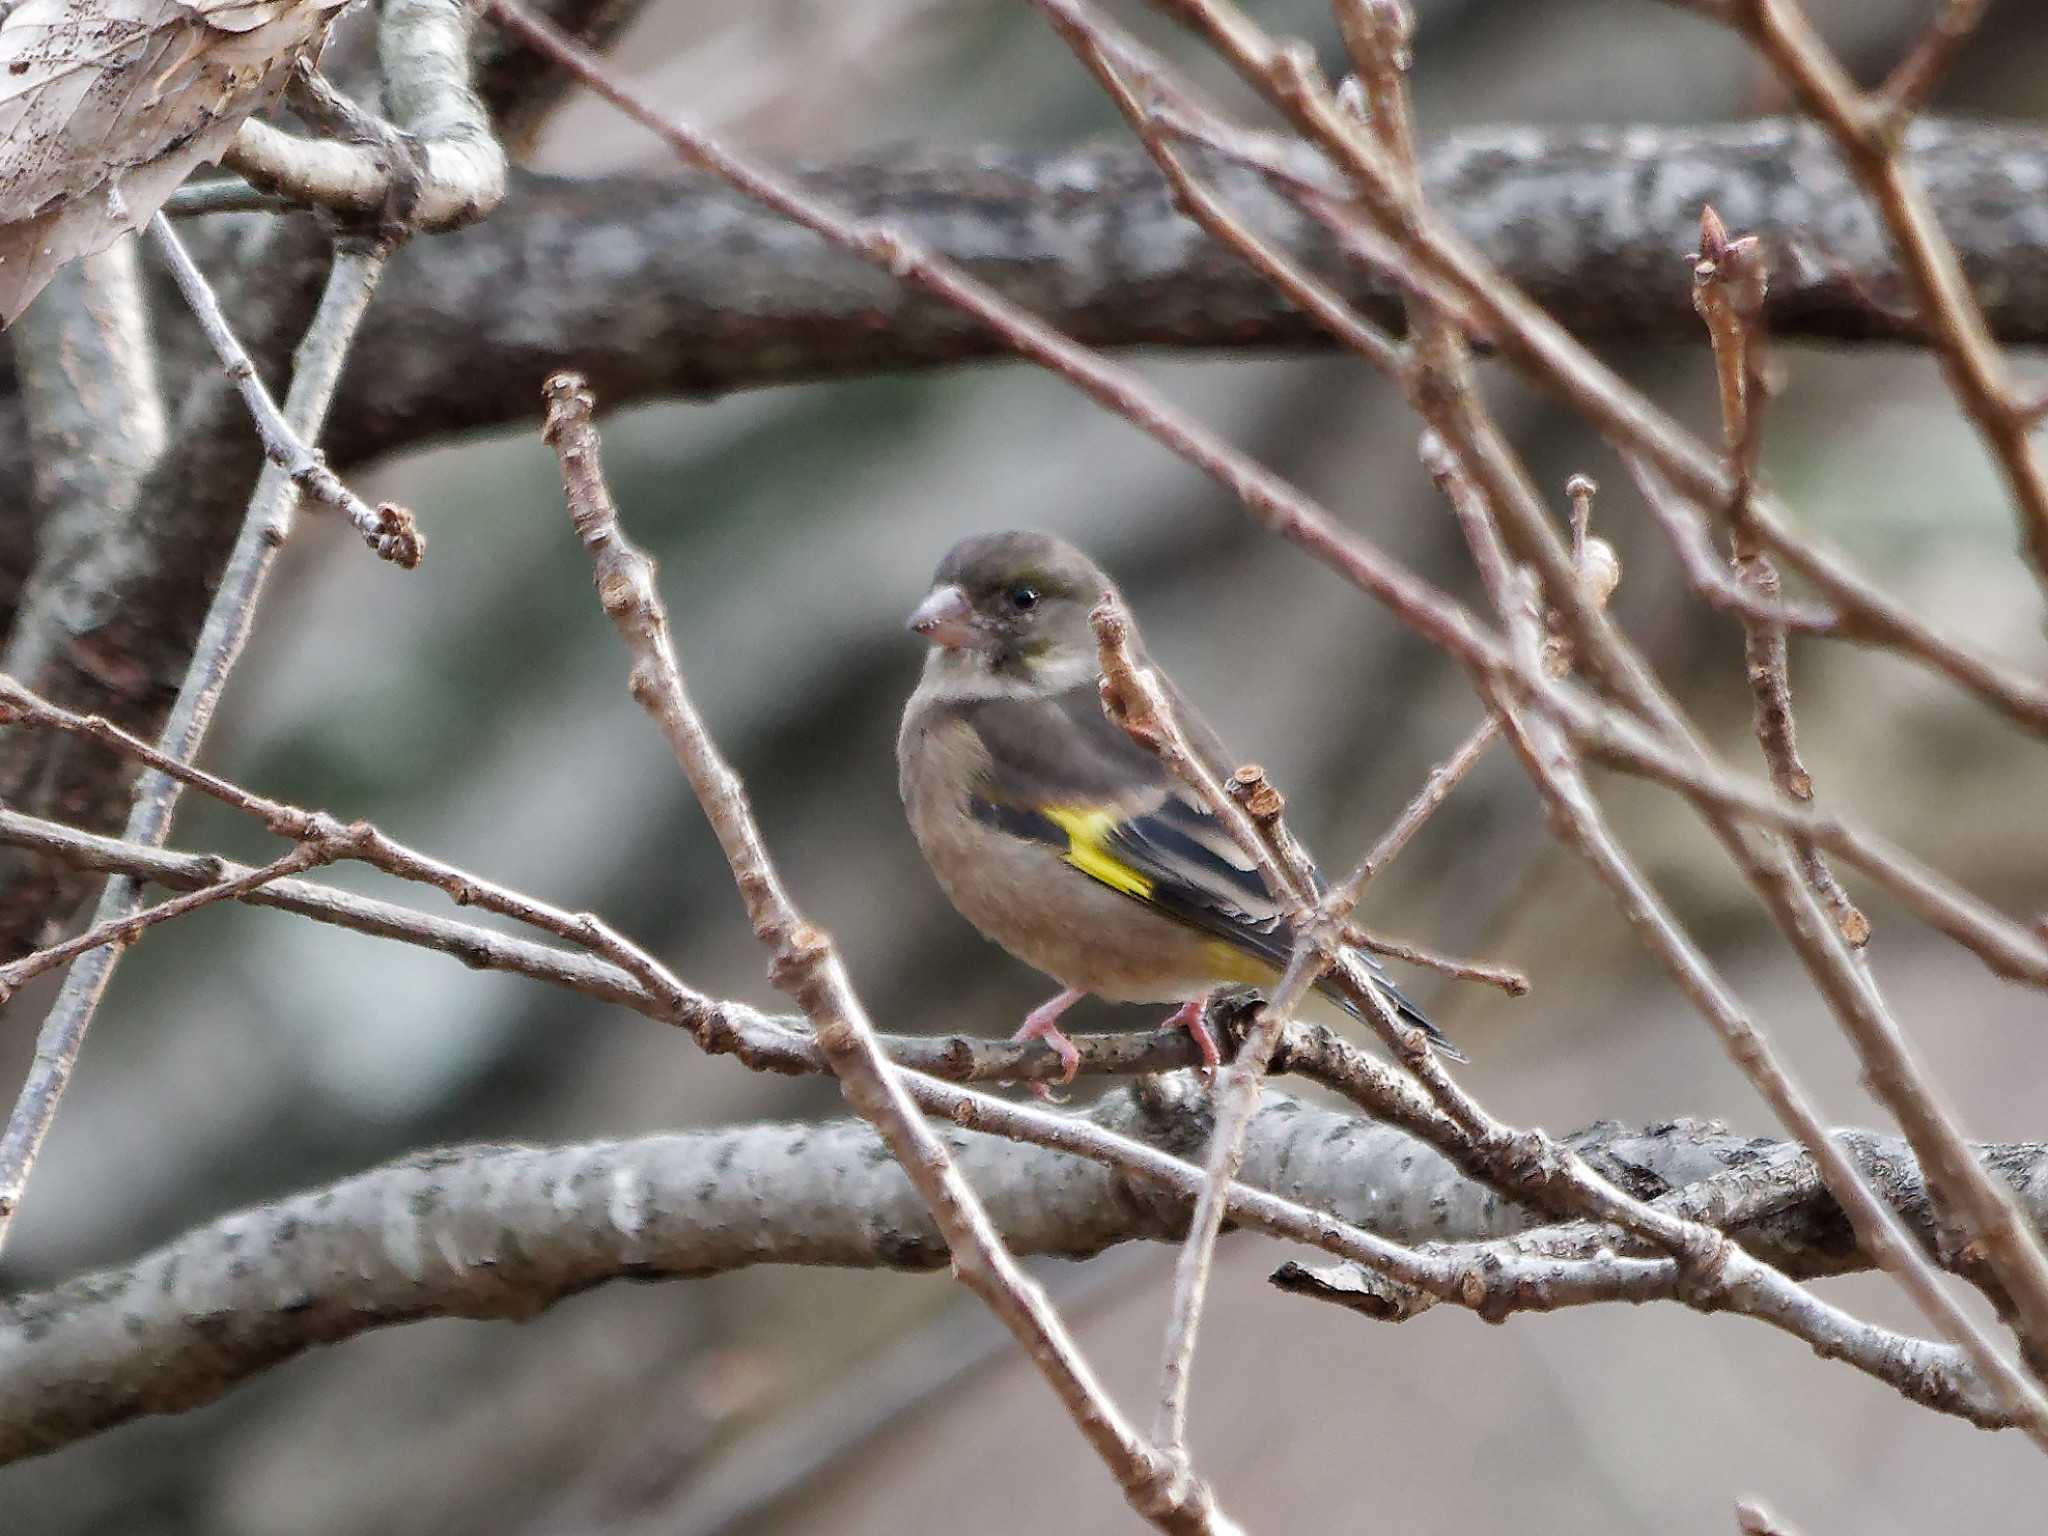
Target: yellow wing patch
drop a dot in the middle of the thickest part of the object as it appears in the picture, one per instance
(1087, 835)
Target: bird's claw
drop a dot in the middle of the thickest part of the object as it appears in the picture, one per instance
(1192, 1017)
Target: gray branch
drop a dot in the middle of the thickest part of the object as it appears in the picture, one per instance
(672, 286)
(504, 1232)
(95, 414)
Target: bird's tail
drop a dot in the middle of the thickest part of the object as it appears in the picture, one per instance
(1333, 988)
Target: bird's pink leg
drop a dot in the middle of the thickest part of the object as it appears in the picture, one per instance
(1043, 1023)
(1189, 1017)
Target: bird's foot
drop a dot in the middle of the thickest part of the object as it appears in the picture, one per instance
(1043, 1023)
(1190, 1017)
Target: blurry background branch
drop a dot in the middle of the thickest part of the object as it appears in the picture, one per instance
(724, 297)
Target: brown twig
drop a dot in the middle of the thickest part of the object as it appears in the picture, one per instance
(807, 968)
(1707, 574)
(504, 1232)
(1442, 266)
(1134, 701)
(1509, 980)
(1443, 778)
(773, 1045)
(1124, 69)
(1270, 499)
(1914, 79)
(1729, 280)
(762, 1042)
(1524, 333)
(389, 529)
(1289, 78)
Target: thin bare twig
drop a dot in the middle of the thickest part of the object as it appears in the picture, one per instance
(1134, 701)
(316, 848)
(1914, 79)
(389, 529)
(1526, 335)
(264, 529)
(1442, 266)
(1686, 527)
(1443, 778)
(767, 1043)
(368, 845)
(1289, 78)
(1270, 499)
(1475, 1280)
(1509, 980)
(1729, 280)
(539, 1223)
(806, 966)
(1495, 1284)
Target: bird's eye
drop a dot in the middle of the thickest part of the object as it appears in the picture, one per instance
(1023, 599)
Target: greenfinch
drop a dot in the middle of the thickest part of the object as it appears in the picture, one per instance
(1049, 828)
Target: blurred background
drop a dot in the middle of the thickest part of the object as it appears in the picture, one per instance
(478, 709)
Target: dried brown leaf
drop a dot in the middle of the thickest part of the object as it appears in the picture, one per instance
(126, 97)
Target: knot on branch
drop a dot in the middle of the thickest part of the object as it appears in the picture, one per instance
(1250, 788)
(804, 949)
(1702, 1267)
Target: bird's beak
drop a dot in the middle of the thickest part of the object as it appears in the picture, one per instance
(945, 618)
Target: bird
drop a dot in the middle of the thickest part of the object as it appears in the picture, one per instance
(1055, 833)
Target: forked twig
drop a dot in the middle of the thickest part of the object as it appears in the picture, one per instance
(319, 846)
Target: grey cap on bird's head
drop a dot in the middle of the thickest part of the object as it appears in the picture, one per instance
(995, 591)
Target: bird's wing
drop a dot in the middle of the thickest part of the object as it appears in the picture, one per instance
(1060, 772)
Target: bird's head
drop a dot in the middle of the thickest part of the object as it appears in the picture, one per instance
(1015, 604)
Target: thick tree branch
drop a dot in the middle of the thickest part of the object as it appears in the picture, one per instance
(503, 1232)
(95, 406)
(671, 286)
(121, 644)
